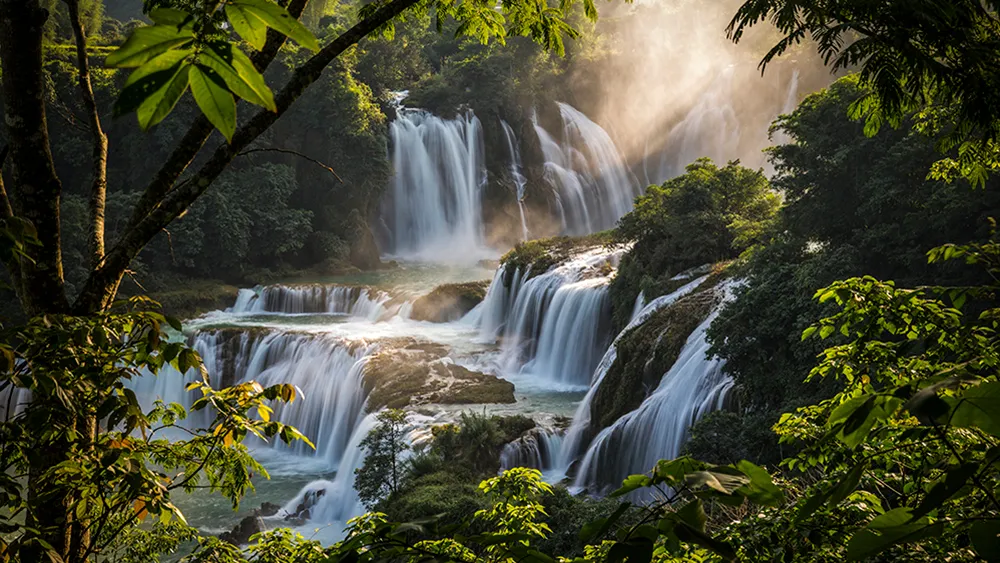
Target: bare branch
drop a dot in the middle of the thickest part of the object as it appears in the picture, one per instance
(99, 147)
(298, 154)
(5, 209)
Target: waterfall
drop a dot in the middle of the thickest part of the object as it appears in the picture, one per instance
(326, 370)
(538, 450)
(334, 501)
(433, 206)
(302, 299)
(694, 386)
(552, 326)
(573, 442)
(516, 173)
(594, 187)
(791, 102)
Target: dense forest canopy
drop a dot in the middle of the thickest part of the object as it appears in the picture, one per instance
(781, 358)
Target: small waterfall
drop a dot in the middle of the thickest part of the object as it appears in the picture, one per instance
(334, 501)
(694, 386)
(573, 442)
(302, 299)
(434, 206)
(327, 371)
(594, 187)
(537, 450)
(552, 326)
(516, 173)
(791, 102)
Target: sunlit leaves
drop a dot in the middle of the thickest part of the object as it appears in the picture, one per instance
(214, 99)
(254, 15)
(148, 42)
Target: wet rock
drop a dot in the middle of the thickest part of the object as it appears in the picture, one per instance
(269, 509)
(409, 372)
(449, 302)
(242, 532)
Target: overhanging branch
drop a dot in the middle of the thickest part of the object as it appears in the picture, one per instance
(298, 154)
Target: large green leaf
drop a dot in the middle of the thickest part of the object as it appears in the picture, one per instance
(892, 528)
(159, 104)
(761, 489)
(251, 28)
(146, 43)
(985, 540)
(980, 407)
(214, 99)
(165, 61)
(238, 73)
(279, 19)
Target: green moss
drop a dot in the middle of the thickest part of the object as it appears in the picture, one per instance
(449, 302)
(542, 254)
(195, 297)
(646, 352)
(454, 495)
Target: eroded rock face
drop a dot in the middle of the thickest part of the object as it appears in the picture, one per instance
(250, 525)
(409, 373)
(449, 302)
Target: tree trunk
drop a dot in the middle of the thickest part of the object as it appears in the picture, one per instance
(35, 189)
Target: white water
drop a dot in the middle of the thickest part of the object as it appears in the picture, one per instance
(539, 450)
(594, 187)
(516, 173)
(694, 386)
(552, 327)
(314, 298)
(434, 208)
(573, 441)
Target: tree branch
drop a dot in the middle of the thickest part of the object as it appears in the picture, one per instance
(192, 142)
(6, 210)
(298, 154)
(103, 283)
(99, 148)
(35, 188)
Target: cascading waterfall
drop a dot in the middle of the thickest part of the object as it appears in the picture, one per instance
(288, 299)
(594, 187)
(336, 501)
(552, 326)
(694, 386)
(328, 371)
(573, 441)
(434, 206)
(538, 450)
(516, 173)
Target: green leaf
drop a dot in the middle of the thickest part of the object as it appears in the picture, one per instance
(984, 539)
(954, 480)
(892, 528)
(847, 485)
(170, 16)
(239, 74)
(691, 535)
(214, 100)
(979, 407)
(160, 103)
(598, 528)
(632, 483)
(693, 514)
(161, 63)
(761, 489)
(251, 28)
(280, 20)
(146, 43)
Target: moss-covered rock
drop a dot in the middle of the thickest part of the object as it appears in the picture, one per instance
(646, 353)
(195, 297)
(408, 372)
(542, 254)
(449, 302)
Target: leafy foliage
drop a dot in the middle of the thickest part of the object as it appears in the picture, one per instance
(912, 56)
(707, 215)
(382, 473)
(68, 406)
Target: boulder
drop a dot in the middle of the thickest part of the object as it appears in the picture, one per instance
(449, 302)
